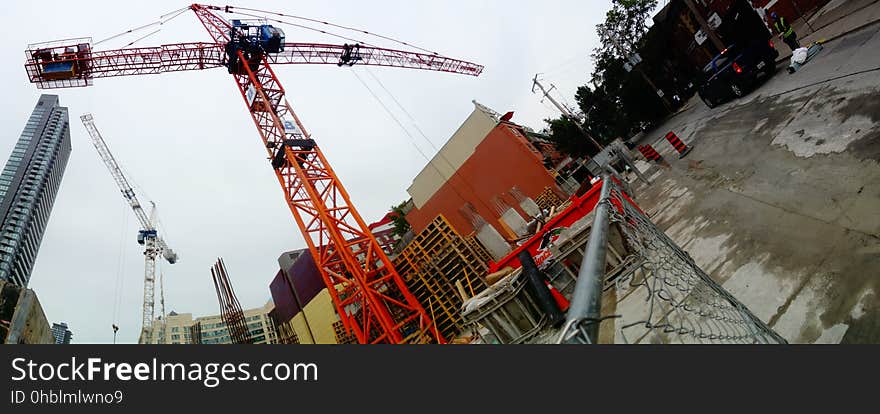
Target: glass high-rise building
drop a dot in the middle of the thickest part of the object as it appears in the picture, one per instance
(28, 186)
(61, 333)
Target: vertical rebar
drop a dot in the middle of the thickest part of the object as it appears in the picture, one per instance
(230, 308)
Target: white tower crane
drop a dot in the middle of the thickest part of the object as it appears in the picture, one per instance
(148, 235)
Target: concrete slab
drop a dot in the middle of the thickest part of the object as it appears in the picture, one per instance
(779, 199)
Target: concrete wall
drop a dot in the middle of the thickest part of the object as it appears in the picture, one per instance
(315, 324)
(28, 323)
(300, 296)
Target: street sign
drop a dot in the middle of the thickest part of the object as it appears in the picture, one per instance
(660, 93)
(700, 37)
(635, 59)
(627, 66)
(714, 21)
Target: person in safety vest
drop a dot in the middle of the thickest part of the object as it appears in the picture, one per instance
(785, 31)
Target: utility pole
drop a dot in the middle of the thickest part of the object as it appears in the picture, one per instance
(625, 54)
(656, 89)
(704, 25)
(566, 113)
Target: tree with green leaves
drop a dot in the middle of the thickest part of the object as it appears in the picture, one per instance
(616, 105)
(624, 27)
(398, 219)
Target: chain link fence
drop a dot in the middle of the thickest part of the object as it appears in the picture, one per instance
(655, 293)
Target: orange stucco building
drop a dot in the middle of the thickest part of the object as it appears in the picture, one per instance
(485, 170)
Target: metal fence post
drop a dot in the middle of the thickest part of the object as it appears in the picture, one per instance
(586, 303)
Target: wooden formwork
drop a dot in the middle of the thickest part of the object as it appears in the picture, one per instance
(433, 263)
(342, 337)
(548, 199)
(478, 248)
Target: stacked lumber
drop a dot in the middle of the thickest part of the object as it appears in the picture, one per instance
(548, 199)
(342, 337)
(478, 248)
(432, 264)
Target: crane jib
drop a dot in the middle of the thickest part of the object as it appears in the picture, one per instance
(51, 65)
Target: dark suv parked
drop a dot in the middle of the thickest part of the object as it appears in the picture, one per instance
(736, 70)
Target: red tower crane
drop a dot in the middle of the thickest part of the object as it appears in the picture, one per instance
(368, 293)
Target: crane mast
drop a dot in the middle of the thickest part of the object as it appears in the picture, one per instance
(370, 297)
(154, 246)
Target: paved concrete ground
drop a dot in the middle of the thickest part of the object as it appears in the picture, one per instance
(779, 200)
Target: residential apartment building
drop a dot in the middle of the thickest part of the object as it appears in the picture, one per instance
(28, 186)
(61, 333)
(182, 328)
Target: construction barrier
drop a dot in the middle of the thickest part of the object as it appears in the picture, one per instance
(678, 144)
(650, 153)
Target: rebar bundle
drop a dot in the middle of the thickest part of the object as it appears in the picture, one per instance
(230, 309)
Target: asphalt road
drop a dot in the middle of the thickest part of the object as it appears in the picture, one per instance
(779, 201)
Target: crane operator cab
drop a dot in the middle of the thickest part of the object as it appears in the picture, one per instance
(145, 234)
(253, 41)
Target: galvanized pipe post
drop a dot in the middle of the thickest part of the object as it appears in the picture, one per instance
(586, 302)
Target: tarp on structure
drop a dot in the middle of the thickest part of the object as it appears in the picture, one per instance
(293, 288)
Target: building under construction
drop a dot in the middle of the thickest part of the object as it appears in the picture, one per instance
(22, 320)
(483, 181)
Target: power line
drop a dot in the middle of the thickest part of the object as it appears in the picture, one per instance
(120, 266)
(431, 143)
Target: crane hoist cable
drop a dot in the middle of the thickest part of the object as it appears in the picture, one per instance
(232, 8)
(162, 20)
(120, 265)
(143, 37)
(413, 142)
(439, 153)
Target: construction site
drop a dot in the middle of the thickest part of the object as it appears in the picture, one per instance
(750, 222)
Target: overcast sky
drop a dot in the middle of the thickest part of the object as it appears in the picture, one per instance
(187, 140)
